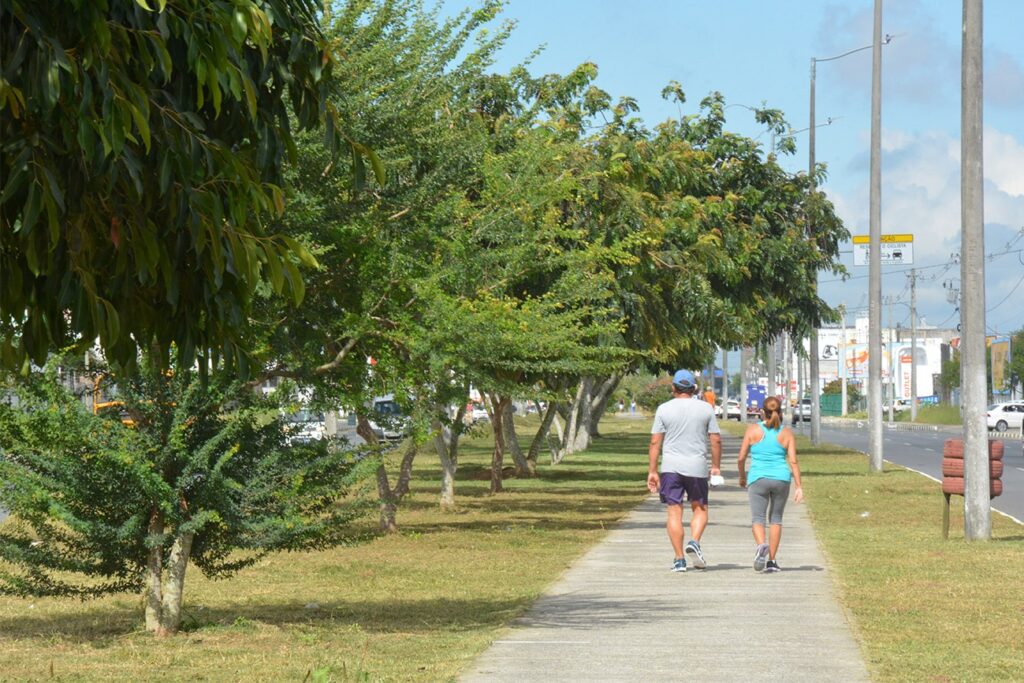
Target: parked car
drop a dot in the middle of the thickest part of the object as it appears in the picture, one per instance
(479, 413)
(802, 410)
(1003, 416)
(731, 410)
(389, 422)
(304, 426)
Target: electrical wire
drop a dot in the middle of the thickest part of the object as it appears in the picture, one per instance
(1008, 295)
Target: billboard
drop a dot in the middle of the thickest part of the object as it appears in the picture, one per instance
(1000, 361)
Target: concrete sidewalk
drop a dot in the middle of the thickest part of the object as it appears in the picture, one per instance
(619, 614)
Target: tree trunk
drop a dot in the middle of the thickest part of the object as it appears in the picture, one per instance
(569, 440)
(446, 441)
(389, 498)
(581, 432)
(498, 405)
(154, 571)
(599, 402)
(557, 453)
(386, 502)
(174, 586)
(512, 443)
(540, 438)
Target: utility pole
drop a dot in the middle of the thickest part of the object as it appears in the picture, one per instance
(773, 380)
(913, 345)
(892, 363)
(842, 360)
(814, 370)
(725, 384)
(875, 254)
(743, 383)
(977, 505)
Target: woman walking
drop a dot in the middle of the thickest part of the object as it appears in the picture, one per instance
(773, 467)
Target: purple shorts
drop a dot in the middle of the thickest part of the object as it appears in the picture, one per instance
(673, 485)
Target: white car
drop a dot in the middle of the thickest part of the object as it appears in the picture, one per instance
(1003, 416)
(389, 423)
(732, 411)
(304, 426)
(899, 406)
(480, 413)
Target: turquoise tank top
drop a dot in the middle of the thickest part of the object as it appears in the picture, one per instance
(768, 457)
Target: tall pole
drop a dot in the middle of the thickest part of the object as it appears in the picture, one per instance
(725, 384)
(892, 363)
(977, 505)
(814, 370)
(773, 379)
(875, 254)
(743, 383)
(913, 345)
(842, 361)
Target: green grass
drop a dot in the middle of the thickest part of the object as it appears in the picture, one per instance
(933, 415)
(421, 604)
(927, 609)
(414, 606)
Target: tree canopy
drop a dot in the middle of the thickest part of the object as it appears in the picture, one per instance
(142, 154)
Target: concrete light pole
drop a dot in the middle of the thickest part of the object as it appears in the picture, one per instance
(813, 379)
(875, 255)
(913, 345)
(977, 505)
(842, 361)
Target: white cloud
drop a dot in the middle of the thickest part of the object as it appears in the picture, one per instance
(1004, 162)
(921, 195)
(1004, 80)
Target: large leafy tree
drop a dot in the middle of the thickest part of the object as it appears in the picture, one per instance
(198, 473)
(142, 152)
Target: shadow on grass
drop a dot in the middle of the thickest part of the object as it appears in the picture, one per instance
(99, 626)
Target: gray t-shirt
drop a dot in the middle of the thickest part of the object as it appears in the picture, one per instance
(686, 423)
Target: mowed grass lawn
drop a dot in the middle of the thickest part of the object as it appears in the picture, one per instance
(927, 609)
(414, 606)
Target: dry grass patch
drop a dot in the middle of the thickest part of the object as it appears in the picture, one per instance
(414, 606)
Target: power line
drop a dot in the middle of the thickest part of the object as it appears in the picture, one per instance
(1010, 293)
(948, 264)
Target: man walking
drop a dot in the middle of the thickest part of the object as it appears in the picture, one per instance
(683, 428)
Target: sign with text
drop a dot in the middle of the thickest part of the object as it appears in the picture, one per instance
(897, 250)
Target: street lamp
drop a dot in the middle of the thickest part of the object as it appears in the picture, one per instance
(814, 369)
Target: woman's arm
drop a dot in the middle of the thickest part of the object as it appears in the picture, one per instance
(741, 460)
(794, 466)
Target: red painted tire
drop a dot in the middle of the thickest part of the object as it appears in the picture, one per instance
(954, 467)
(954, 448)
(955, 485)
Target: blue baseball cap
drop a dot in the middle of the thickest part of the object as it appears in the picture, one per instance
(684, 378)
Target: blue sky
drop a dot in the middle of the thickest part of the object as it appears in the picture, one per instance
(758, 52)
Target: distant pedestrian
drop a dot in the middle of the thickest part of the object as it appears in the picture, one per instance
(773, 467)
(709, 396)
(683, 428)
(632, 407)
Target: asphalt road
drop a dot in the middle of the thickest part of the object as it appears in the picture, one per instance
(922, 451)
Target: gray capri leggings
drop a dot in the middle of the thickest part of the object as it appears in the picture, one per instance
(764, 493)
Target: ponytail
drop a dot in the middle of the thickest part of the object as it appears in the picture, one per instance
(772, 413)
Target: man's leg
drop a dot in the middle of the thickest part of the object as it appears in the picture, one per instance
(674, 526)
(699, 520)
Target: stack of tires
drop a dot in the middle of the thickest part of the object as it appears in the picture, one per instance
(953, 467)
